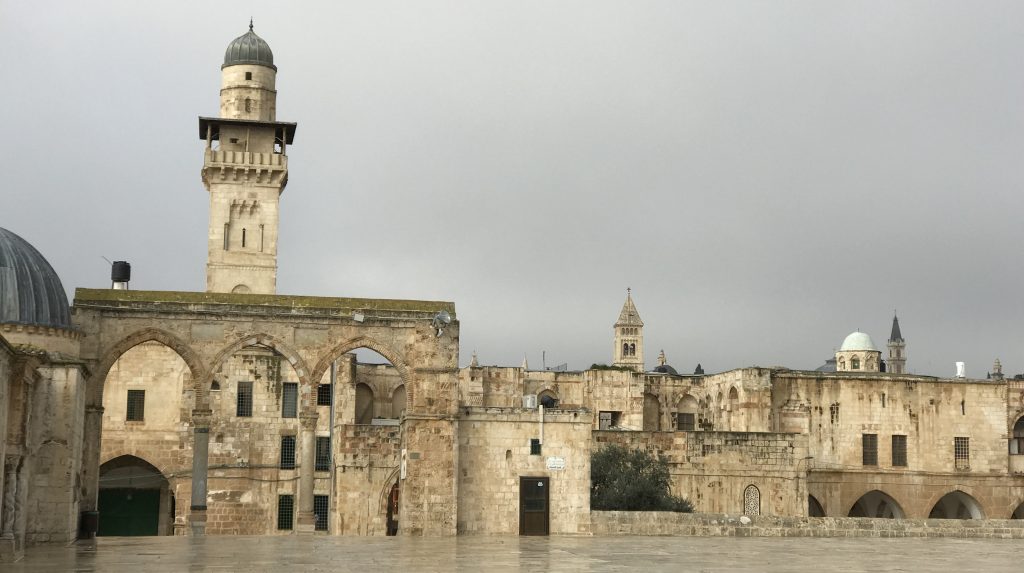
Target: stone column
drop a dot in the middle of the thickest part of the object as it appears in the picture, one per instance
(200, 464)
(9, 549)
(306, 522)
(91, 457)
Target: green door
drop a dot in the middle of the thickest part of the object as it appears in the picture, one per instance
(129, 512)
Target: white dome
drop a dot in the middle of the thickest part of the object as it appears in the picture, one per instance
(858, 341)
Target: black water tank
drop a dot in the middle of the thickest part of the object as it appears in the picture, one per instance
(120, 272)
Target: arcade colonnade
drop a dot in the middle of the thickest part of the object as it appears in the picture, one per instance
(311, 333)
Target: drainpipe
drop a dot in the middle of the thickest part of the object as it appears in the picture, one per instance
(540, 410)
(330, 438)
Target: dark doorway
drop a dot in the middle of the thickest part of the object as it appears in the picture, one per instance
(393, 510)
(134, 499)
(533, 505)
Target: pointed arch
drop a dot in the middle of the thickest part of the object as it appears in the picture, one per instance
(180, 347)
(814, 507)
(876, 503)
(293, 357)
(395, 358)
(956, 505)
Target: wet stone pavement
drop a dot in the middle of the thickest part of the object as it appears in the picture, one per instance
(400, 554)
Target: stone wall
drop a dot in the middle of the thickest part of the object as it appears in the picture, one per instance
(734, 525)
(715, 469)
(494, 453)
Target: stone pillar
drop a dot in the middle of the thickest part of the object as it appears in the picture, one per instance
(9, 546)
(91, 457)
(306, 522)
(200, 464)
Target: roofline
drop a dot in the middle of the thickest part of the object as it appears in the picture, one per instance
(287, 128)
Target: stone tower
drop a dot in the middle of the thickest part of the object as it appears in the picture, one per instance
(629, 337)
(897, 362)
(245, 170)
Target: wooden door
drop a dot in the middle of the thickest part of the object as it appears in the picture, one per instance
(533, 505)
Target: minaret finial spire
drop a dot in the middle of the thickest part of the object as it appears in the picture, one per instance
(250, 23)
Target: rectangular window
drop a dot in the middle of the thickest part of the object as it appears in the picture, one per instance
(290, 400)
(287, 452)
(686, 422)
(608, 420)
(962, 453)
(899, 451)
(323, 454)
(243, 407)
(136, 406)
(534, 447)
(323, 395)
(321, 505)
(869, 443)
(285, 511)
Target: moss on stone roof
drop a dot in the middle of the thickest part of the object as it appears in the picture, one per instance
(88, 295)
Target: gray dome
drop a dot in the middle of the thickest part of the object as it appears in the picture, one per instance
(30, 291)
(249, 49)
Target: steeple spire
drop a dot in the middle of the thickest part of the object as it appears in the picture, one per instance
(629, 336)
(896, 335)
(897, 362)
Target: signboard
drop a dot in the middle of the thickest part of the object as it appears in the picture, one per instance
(556, 463)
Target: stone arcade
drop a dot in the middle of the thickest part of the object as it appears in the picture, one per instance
(241, 411)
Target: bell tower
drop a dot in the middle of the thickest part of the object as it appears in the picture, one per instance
(245, 170)
(897, 362)
(629, 337)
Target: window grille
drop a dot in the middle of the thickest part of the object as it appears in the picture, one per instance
(608, 420)
(321, 505)
(323, 453)
(962, 453)
(287, 452)
(244, 405)
(534, 447)
(290, 400)
(686, 422)
(751, 500)
(285, 511)
(899, 451)
(869, 447)
(136, 406)
(323, 395)
(834, 413)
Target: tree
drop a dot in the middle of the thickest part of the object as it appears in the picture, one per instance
(631, 480)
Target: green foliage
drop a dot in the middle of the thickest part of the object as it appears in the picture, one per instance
(631, 480)
(606, 367)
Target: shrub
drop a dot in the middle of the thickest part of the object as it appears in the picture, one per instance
(631, 480)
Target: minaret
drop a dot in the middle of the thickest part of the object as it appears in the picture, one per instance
(629, 337)
(997, 371)
(897, 350)
(245, 170)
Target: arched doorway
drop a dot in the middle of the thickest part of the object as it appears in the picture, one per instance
(398, 402)
(134, 499)
(814, 508)
(1017, 438)
(392, 520)
(876, 504)
(364, 404)
(957, 505)
(548, 399)
(686, 414)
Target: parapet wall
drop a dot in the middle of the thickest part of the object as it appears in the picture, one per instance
(723, 525)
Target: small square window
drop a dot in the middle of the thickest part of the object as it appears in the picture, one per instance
(686, 422)
(323, 395)
(287, 452)
(243, 407)
(285, 511)
(290, 400)
(534, 447)
(136, 406)
(248, 75)
(321, 505)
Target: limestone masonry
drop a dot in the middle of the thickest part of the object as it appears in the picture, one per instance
(241, 411)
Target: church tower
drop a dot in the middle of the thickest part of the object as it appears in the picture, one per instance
(897, 350)
(629, 337)
(245, 170)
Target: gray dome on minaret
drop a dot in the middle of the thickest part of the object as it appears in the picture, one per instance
(30, 291)
(249, 49)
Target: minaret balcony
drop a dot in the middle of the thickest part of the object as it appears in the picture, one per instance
(222, 165)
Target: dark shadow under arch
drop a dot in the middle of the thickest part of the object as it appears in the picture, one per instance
(956, 505)
(814, 507)
(876, 504)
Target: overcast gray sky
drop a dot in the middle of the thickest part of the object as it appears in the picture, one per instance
(766, 176)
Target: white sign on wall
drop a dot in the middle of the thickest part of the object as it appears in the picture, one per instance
(556, 463)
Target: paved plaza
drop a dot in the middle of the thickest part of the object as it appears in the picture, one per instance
(400, 554)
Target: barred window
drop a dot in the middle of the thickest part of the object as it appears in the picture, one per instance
(321, 505)
(869, 443)
(136, 406)
(899, 451)
(685, 422)
(534, 447)
(287, 452)
(962, 453)
(290, 400)
(285, 511)
(244, 405)
(323, 395)
(834, 413)
(323, 453)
